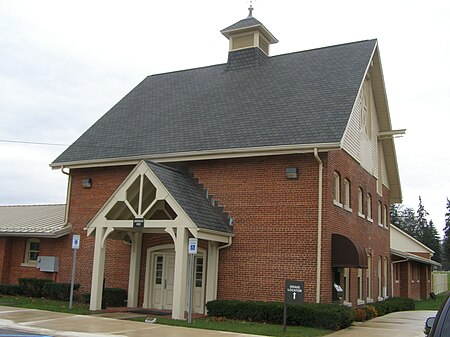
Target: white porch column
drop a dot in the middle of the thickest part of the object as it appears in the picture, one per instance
(180, 277)
(211, 271)
(135, 263)
(98, 270)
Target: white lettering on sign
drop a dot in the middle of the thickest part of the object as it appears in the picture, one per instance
(294, 289)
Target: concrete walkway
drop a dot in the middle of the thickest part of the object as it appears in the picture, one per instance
(398, 324)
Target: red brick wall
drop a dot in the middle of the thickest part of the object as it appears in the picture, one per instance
(276, 223)
(369, 235)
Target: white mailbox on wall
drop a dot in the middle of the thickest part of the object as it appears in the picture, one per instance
(48, 264)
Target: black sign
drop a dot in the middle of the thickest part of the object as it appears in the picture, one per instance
(138, 223)
(293, 292)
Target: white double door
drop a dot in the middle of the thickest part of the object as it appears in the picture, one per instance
(163, 273)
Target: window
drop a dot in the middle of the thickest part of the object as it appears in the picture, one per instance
(199, 272)
(380, 214)
(385, 216)
(360, 284)
(159, 270)
(368, 277)
(347, 285)
(32, 251)
(379, 278)
(385, 277)
(337, 189)
(369, 207)
(360, 202)
(347, 196)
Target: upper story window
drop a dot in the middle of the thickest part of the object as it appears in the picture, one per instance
(337, 188)
(347, 196)
(385, 216)
(380, 216)
(360, 202)
(32, 251)
(369, 207)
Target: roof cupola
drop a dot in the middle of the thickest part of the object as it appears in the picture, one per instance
(245, 35)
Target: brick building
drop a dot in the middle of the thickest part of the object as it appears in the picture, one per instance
(282, 167)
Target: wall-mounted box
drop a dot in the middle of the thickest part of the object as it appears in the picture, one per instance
(48, 264)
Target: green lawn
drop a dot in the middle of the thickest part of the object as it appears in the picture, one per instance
(244, 327)
(43, 304)
(433, 304)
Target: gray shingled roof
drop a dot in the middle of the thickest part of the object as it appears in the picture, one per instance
(192, 198)
(292, 99)
(247, 22)
(33, 221)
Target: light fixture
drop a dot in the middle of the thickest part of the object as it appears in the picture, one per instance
(86, 182)
(292, 172)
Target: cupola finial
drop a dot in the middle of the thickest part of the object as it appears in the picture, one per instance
(250, 9)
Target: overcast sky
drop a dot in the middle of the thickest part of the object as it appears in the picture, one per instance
(63, 64)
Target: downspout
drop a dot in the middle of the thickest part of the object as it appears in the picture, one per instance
(392, 273)
(69, 189)
(230, 240)
(319, 226)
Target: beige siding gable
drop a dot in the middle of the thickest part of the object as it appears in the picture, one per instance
(360, 139)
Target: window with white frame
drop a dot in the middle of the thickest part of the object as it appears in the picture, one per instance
(360, 202)
(369, 207)
(379, 269)
(347, 196)
(369, 277)
(337, 189)
(32, 251)
(385, 216)
(365, 113)
(380, 214)
(360, 284)
(346, 285)
(385, 277)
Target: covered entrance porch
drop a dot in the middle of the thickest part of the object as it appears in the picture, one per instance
(158, 202)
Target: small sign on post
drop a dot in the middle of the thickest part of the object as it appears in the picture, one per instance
(192, 250)
(293, 294)
(138, 223)
(75, 247)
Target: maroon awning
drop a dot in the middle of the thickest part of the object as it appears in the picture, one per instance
(347, 254)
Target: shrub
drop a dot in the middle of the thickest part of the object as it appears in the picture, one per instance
(360, 314)
(33, 287)
(394, 304)
(58, 291)
(328, 316)
(371, 312)
(112, 297)
(11, 289)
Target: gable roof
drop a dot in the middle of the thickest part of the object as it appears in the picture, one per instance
(247, 24)
(302, 98)
(33, 221)
(192, 198)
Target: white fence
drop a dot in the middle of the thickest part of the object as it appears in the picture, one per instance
(439, 282)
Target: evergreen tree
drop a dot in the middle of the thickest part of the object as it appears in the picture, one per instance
(426, 232)
(446, 243)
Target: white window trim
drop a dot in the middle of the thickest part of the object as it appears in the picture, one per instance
(337, 189)
(27, 262)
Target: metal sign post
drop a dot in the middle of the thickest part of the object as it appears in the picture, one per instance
(75, 246)
(293, 294)
(192, 250)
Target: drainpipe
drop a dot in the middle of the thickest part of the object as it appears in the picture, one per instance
(392, 273)
(69, 188)
(230, 240)
(319, 226)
